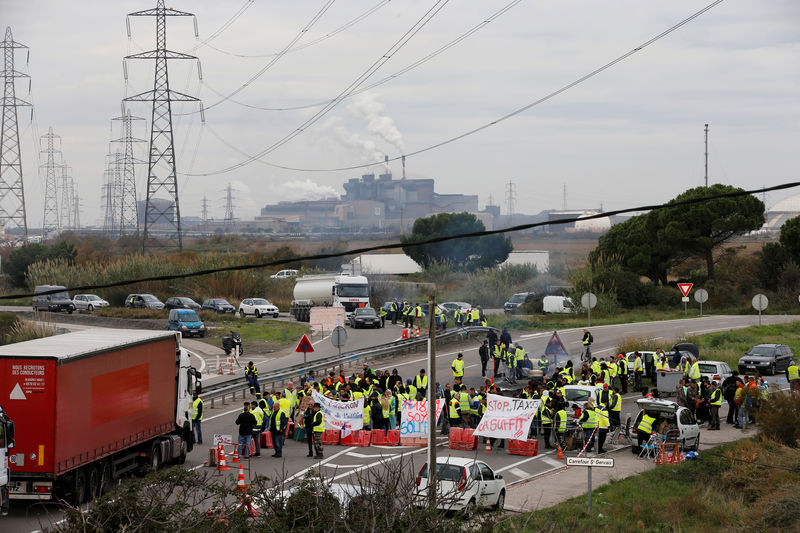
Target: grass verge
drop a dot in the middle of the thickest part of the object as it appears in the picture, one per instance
(729, 346)
(749, 485)
(254, 330)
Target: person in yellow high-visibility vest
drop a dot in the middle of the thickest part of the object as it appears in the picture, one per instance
(793, 375)
(458, 366)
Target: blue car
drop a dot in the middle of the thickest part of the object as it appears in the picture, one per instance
(187, 322)
(219, 305)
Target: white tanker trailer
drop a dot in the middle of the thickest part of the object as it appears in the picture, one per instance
(326, 290)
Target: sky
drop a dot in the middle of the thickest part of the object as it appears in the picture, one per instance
(632, 135)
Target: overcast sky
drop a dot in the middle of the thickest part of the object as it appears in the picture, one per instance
(632, 135)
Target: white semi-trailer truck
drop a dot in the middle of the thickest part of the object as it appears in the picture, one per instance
(326, 290)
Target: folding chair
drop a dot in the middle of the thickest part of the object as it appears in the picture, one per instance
(651, 447)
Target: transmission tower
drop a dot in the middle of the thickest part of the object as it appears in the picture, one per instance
(12, 194)
(109, 220)
(50, 220)
(205, 209)
(511, 197)
(65, 213)
(76, 205)
(162, 177)
(229, 203)
(128, 213)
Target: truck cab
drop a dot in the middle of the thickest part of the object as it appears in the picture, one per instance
(6, 442)
(350, 292)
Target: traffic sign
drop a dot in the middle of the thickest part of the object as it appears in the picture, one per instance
(339, 337)
(555, 347)
(685, 288)
(588, 300)
(760, 302)
(590, 461)
(304, 345)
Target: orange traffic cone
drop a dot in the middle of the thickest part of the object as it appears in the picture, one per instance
(222, 464)
(560, 454)
(240, 484)
(236, 455)
(417, 332)
(488, 448)
(230, 368)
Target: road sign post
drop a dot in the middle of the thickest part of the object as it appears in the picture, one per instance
(588, 301)
(685, 288)
(701, 296)
(760, 302)
(339, 338)
(589, 462)
(304, 346)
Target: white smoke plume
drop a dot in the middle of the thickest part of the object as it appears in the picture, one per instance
(366, 106)
(300, 190)
(367, 148)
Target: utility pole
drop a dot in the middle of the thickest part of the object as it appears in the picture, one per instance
(108, 199)
(511, 198)
(432, 402)
(204, 215)
(162, 178)
(66, 200)
(706, 154)
(128, 213)
(229, 204)
(76, 206)
(12, 193)
(50, 219)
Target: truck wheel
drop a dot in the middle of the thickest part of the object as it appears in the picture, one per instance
(79, 487)
(155, 456)
(93, 483)
(105, 477)
(182, 456)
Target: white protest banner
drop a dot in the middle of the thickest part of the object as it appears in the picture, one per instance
(507, 418)
(414, 418)
(226, 440)
(341, 415)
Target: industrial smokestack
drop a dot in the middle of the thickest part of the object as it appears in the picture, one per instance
(404, 166)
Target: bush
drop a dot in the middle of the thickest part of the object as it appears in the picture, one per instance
(779, 418)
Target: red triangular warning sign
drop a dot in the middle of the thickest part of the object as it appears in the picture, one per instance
(555, 347)
(685, 288)
(304, 345)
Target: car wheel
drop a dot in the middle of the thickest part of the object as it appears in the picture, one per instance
(70, 310)
(258, 314)
(501, 501)
(241, 313)
(90, 308)
(469, 509)
(275, 315)
(772, 369)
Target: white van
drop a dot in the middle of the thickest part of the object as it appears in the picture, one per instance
(557, 304)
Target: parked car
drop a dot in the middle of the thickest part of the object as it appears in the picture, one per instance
(451, 307)
(687, 347)
(219, 305)
(681, 425)
(717, 371)
(631, 358)
(257, 307)
(517, 301)
(766, 359)
(88, 302)
(557, 304)
(283, 274)
(463, 484)
(143, 301)
(58, 301)
(364, 317)
(578, 394)
(187, 322)
(181, 302)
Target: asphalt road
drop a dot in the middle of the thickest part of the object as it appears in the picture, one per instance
(344, 463)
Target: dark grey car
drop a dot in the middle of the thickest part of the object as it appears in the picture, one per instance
(766, 359)
(143, 301)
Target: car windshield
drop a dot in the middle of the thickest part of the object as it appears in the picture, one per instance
(221, 302)
(260, 301)
(578, 395)
(189, 317)
(354, 291)
(365, 311)
(186, 300)
(149, 298)
(444, 472)
(517, 299)
(762, 351)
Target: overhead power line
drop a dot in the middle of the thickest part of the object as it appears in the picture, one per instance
(399, 44)
(585, 77)
(396, 245)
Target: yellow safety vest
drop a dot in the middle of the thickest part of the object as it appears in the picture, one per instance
(412, 390)
(286, 406)
(602, 418)
(561, 421)
(195, 405)
(547, 415)
(290, 395)
(454, 405)
(793, 372)
(716, 397)
(458, 368)
(367, 411)
(694, 371)
(591, 419)
(520, 354)
(422, 381)
(476, 315)
(646, 425)
(618, 405)
(258, 413)
(319, 416)
(463, 402)
(637, 364)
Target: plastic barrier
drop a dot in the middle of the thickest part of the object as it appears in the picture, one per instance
(404, 333)
(330, 437)
(389, 438)
(455, 438)
(357, 438)
(470, 441)
(523, 447)
(266, 440)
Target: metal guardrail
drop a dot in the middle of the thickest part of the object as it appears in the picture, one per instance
(232, 388)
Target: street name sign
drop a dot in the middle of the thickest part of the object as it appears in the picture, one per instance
(590, 461)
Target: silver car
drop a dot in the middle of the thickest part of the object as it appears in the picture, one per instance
(88, 302)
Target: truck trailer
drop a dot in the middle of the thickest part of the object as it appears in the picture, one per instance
(92, 405)
(325, 290)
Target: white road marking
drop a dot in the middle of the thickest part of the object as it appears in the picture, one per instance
(523, 461)
(321, 463)
(331, 465)
(470, 366)
(319, 341)
(202, 360)
(552, 462)
(368, 455)
(378, 463)
(222, 414)
(519, 473)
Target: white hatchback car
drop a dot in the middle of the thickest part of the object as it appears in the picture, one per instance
(88, 302)
(717, 371)
(632, 357)
(257, 307)
(681, 425)
(578, 394)
(283, 274)
(462, 485)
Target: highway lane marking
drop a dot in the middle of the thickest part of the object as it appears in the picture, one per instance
(331, 465)
(551, 461)
(470, 366)
(321, 463)
(379, 463)
(523, 461)
(369, 455)
(519, 473)
(237, 410)
(319, 341)
(202, 360)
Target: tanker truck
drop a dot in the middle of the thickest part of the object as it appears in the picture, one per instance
(92, 405)
(326, 290)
